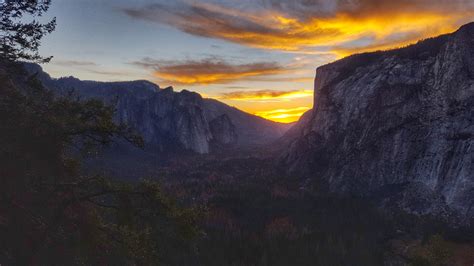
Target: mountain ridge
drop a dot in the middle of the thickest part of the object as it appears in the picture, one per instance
(173, 118)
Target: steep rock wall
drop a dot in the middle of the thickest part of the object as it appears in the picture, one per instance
(398, 124)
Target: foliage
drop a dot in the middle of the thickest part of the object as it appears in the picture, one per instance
(436, 252)
(19, 39)
(51, 214)
(257, 217)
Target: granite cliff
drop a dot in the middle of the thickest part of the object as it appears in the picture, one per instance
(396, 126)
(172, 121)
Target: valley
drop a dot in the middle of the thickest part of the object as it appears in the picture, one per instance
(379, 171)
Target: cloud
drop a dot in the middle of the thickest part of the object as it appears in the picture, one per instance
(265, 95)
(283, 79)
(283, 115)
(271, 101)
(107, 73)
(89, 67)
(312, 26)
(74, 63)
(237, 87)
(208, 71)
(308, 9)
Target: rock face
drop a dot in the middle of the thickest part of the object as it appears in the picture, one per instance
(223, 130)
(172, 121)
(396, 124)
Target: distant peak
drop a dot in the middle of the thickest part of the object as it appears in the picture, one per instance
(69, 78)
(168, 89)
(468, 28)
(191, 94)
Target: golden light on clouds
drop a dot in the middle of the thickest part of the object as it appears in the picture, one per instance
(315, 26)
(283, 115)
(387, 32)
(274, 105)
(206, 78)
(343, 34)
(315, 30)
(266, 95)
(208, 71)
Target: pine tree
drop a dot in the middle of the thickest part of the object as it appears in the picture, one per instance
(20, 38)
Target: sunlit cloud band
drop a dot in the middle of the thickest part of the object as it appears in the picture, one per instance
(340, 27)
(208, 71)
(265, 95)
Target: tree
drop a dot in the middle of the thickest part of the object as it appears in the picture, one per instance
(53, 214)
(19, 39)
(437, 252)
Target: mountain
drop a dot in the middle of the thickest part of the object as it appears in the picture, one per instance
(172, 121)
(396, 126)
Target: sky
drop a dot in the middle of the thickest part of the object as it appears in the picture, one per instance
(257, 55)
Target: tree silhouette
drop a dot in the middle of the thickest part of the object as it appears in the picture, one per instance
(20, 38)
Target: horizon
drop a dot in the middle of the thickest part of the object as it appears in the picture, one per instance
(257, 56)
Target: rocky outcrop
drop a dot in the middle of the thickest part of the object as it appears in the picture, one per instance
(251, 130)
(396, 125)
(172, 121)
(223, 130)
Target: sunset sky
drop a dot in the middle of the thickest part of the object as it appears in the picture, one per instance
(257, 55)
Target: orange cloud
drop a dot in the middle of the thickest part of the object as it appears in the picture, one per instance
(282, 79)
(314, 26)
(283, 115)
(208, 71)
(266, 95)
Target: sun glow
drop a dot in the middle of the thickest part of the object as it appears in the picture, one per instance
(266, 96)
(278, 106)
(283, 115)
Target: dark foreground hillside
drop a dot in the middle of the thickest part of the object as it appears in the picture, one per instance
(51, 213)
